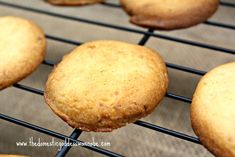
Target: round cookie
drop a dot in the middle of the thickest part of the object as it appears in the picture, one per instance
(213, 110)
(22, 49)
(102, 85)
(169, 14)
(74, 2)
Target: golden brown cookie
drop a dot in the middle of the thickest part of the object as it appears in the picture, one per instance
(169, 14)
(22, 48)
(213, 110)
(102, 85)
(74, 2)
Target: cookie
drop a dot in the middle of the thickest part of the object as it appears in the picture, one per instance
(213, 110)
(103, 85)
(74, 2)
(169, 14)
(22, 48)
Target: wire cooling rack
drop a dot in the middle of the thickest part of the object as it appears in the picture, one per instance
(73, 138)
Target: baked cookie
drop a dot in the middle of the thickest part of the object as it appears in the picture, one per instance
(22, 48)
(74, 2)
(213, 110)
(102, 85)
(169, 14)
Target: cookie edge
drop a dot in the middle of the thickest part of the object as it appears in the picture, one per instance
(37, 64)
(198, 127)
(152, 23)
(83, 127)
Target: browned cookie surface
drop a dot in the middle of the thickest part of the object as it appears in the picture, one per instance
(102, 85)
(169, 14)
(213, 110)
(22, 49)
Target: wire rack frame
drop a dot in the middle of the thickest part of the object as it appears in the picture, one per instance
(73, 138)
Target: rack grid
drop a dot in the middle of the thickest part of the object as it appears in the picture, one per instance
(145, 37)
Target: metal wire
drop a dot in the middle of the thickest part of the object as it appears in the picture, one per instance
(146, 35)
(68, 41)
(184, 41)
(75, 134)
(212, 23)
(169, 65)
(227, 4)
(57, 135)
(168, 131)
(218, 24)
(40, 92)
(64, 150)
